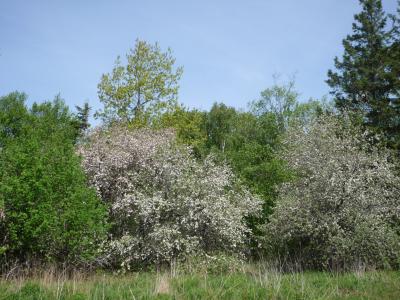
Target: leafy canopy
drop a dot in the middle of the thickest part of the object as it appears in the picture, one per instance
(49, 212)
(148, 79)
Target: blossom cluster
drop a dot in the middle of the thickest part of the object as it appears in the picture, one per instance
(344, 207)
(164, 204)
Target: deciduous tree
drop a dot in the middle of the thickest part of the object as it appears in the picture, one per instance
(165, 204)
(343, 209)
(148, 77)
(50, 214)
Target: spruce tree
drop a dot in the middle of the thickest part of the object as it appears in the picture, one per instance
(395, 71)
(82, 115)
(366, 80)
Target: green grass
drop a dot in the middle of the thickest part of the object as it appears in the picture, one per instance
(237, 285)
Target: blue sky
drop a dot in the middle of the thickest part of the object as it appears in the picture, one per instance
(229, 49)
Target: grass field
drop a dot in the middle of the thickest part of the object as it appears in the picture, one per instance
(235, 285)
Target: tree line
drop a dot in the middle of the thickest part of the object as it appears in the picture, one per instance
(312, 183)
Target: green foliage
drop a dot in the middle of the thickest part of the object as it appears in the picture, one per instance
(307, 112)
(82, 117)
(50, 213)
(250, 144)
(254, 155)
(147, 78)
(219, 125)
(13, 115)
(279, 100)
(188, 124)
(252, 141)
(366, 80)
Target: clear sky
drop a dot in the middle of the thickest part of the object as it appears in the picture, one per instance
(229, 48)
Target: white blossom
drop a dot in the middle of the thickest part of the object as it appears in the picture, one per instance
(164, 203)
(345, 205)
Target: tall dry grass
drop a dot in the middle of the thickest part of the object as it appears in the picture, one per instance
(195, 281)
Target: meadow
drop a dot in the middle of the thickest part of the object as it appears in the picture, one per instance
(250, 283)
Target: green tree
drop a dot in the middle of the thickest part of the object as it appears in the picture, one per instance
(13, 115)
(188, 124)
(306, 112)
(280, 100)
(366, 80)
(83, 114)
(281, 103)
(253, 152)
(255, 141)
(49, 212)
(394, 55)
(149, 77)
(251, 144)
(219, 124)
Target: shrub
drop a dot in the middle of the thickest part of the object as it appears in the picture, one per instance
(344, 207)
(165, 205)
(49, 211)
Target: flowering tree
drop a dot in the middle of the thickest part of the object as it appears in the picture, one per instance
(345, 205)
(164, 204)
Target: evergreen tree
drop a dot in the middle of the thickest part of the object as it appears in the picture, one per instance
(83, 114)
(366, 80)
(394, 53)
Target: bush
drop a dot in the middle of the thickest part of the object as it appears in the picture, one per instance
(165, 205)
(344, 208)
(49, 211)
